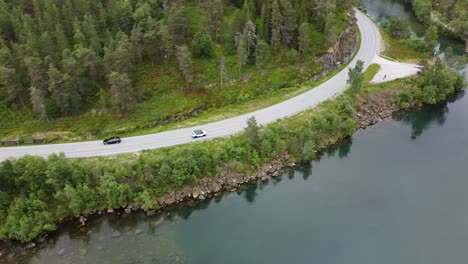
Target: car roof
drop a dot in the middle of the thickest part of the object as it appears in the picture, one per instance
(198, 131)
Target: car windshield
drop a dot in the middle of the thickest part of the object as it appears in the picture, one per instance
(198, 131)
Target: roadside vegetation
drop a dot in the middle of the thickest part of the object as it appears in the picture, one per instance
(369, 74)
(71, 70)
(36, 193)
(404, 45)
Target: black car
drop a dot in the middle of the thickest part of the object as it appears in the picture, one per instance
(112, 140)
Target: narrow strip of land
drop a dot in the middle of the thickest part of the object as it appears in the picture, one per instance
(370, 44)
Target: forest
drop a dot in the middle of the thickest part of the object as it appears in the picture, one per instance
(62, 58)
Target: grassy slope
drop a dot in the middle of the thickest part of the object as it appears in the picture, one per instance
(399, 49)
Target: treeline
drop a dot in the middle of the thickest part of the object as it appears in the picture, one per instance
(57, 56)
(437, 83)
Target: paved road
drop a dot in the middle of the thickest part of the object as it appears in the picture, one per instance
(370, 44)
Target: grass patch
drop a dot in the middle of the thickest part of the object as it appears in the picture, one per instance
(371, 72)
(398, 49)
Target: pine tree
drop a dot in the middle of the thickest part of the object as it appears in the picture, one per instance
(10, 83)
(60, 38)
(431, 38)
(37, 73)
(58, 83)
(167, 43)
(177, 23)
(304, 39)
(262, 54)
(264, 23)
(90, 24)
(222, 71)
(215, 13)
(289, 23)
(184, 60)
(276, 25)
(242, 52)
(137, 40)
(150, 39)
(355, 76)
(252, 132)
(250, 36)
(122, 92)
(119, 56)
(38, 102)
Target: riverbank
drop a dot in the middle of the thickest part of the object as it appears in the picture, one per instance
(50, 191)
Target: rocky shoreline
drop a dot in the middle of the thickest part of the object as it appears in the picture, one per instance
(375, 108)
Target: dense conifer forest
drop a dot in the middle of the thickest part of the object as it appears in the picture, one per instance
(63, 57)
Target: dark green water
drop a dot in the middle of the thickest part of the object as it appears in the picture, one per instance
(395, 193)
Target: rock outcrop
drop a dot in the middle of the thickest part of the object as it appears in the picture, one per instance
(343, 49)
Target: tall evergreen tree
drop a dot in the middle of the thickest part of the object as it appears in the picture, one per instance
(10, 84)
(222, 71)
(242, 52)
(215, 13)
(262, 54)
(38, 101)
(304, 39)
(177, 23)
(122, 92)
(184, 60)
(289, 23)
(276, 25)
(167, 43)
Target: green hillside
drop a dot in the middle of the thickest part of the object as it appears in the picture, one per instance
(75, 68)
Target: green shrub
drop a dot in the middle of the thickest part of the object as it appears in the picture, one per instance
(202, 45)
(397, 27)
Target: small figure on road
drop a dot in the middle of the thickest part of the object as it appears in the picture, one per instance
(385, 76)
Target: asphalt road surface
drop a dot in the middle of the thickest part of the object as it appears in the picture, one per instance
(370, 44)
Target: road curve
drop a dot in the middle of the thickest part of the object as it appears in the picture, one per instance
(370, 44)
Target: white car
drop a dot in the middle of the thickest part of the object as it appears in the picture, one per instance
(198, 133)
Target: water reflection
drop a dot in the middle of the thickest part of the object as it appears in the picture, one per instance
(291, 174)
(306, 171)
(343, 149)
(184, 210)
(421, 121)
(250, 192)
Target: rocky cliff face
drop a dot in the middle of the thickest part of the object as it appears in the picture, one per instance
(343, 50)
